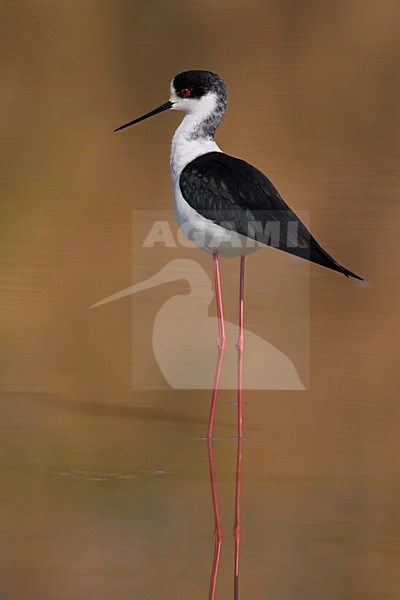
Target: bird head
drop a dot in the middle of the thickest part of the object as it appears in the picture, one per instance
(193, 92)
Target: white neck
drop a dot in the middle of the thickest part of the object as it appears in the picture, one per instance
(186, 146)
(195, 135)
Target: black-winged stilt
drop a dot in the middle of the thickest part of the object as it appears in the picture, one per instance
(226, 207)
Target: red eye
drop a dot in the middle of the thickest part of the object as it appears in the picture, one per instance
(185, 93)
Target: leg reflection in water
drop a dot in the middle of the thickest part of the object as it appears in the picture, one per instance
(217, 525)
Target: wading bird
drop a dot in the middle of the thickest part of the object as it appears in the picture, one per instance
(229, 208)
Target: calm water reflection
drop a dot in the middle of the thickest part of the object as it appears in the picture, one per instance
(105, 490)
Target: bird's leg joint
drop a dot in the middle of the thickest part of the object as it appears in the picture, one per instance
(240, 344)
(221, 342)
(218, 534)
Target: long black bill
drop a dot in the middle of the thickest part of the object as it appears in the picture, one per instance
(161, 108)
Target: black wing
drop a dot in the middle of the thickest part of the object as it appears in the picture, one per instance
(237, 196)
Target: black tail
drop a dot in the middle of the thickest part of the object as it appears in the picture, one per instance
(321, 257)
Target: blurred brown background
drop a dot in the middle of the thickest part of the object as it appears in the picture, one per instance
(105, 490)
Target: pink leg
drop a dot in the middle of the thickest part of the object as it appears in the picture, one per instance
(239, 346)
(221, 346)
(220, 343)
